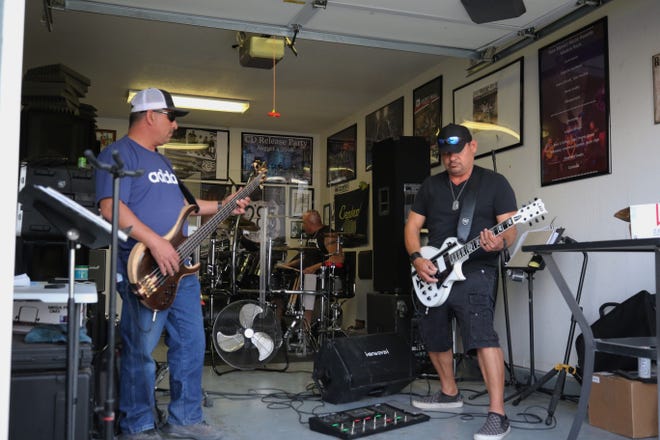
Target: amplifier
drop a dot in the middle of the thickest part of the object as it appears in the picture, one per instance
(348, 369)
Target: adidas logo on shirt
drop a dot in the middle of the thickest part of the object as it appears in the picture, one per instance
(162, 177)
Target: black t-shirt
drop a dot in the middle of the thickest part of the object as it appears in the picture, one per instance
(434, 201)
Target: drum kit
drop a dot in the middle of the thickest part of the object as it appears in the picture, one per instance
(234, 262)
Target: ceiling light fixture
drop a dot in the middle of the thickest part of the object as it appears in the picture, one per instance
(204, 103)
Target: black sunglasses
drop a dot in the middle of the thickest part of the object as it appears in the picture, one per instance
(170, 115)
(451, 140)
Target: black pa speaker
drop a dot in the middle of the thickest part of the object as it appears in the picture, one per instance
(485, 11)
(349, 369)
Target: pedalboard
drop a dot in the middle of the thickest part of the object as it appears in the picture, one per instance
(367, 420)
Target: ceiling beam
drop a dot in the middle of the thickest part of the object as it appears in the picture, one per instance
(267, 29)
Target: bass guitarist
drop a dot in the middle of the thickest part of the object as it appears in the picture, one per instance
(151, 205)
(439, 206)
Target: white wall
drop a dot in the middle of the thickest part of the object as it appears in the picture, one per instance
(11, 60)
(584, 207)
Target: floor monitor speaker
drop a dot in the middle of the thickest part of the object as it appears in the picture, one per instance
(352, 368)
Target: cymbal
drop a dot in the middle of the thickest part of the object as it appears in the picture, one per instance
(350, 235)
(243, 223)
(292, 248)
(284, 266)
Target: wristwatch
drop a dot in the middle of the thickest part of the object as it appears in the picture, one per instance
(414, 256)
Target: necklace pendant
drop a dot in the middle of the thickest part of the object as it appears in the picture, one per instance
(455, 205)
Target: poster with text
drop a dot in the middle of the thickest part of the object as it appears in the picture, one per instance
(574, 104)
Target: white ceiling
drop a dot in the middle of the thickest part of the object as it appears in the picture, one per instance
(350, 53)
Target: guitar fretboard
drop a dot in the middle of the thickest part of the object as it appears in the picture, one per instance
(464, 252)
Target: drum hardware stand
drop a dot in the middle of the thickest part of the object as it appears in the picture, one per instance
(563, 368)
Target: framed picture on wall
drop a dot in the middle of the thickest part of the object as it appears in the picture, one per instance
(200, 153)
(574, 106)
(384, 123)
(300, 200)
(288, 158)
(105, 137)
(492, 108)
(341, 156)
(427, 115)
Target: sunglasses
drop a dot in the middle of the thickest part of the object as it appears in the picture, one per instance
(170, 115)
(451, 140)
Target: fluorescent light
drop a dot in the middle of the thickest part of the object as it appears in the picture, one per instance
(204, 103)
(183, 146)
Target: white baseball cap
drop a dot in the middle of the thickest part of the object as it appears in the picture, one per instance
(154, 99)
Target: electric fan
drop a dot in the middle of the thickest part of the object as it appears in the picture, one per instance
(246, 334)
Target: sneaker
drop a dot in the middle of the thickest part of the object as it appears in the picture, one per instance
(198, 431)
(438, 402)
(151, 434)
(495, 428)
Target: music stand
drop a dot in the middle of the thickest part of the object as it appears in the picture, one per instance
(80, 226)
(528, 264)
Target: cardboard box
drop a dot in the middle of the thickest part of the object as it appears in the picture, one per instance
(623, 406)
(645, 220)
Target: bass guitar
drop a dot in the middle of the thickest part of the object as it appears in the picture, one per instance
(450, 257)
(157, 290)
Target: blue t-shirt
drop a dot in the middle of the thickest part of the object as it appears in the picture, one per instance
(434, 201)
(154, 197)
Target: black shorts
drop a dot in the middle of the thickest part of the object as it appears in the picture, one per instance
(473, 303)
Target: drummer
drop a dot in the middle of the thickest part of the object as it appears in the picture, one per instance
(323, 249)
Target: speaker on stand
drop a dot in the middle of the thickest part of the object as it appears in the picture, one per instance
(399, 167)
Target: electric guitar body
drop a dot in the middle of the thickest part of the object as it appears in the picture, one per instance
(450, 257)
(156, 290)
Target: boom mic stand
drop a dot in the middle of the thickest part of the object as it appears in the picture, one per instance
(117, 170)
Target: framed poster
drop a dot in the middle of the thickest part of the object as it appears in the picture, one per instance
(341, 156)
(492, 107)
(199, 153)
(327, 214)
(384, 123)
(270, 200)
(105, 137)
(296, 229)
(655, 63)
(288, 158)
(574, 106)
(300, 200)
(427, 115)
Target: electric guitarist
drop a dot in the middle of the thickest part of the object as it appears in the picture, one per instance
(439, 206)
(151, 205)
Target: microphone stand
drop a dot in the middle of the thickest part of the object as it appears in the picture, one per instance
(117, 170)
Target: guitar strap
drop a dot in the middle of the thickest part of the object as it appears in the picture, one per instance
(188, 195)
(469, 203)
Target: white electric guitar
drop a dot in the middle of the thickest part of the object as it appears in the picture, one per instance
(449, 259)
